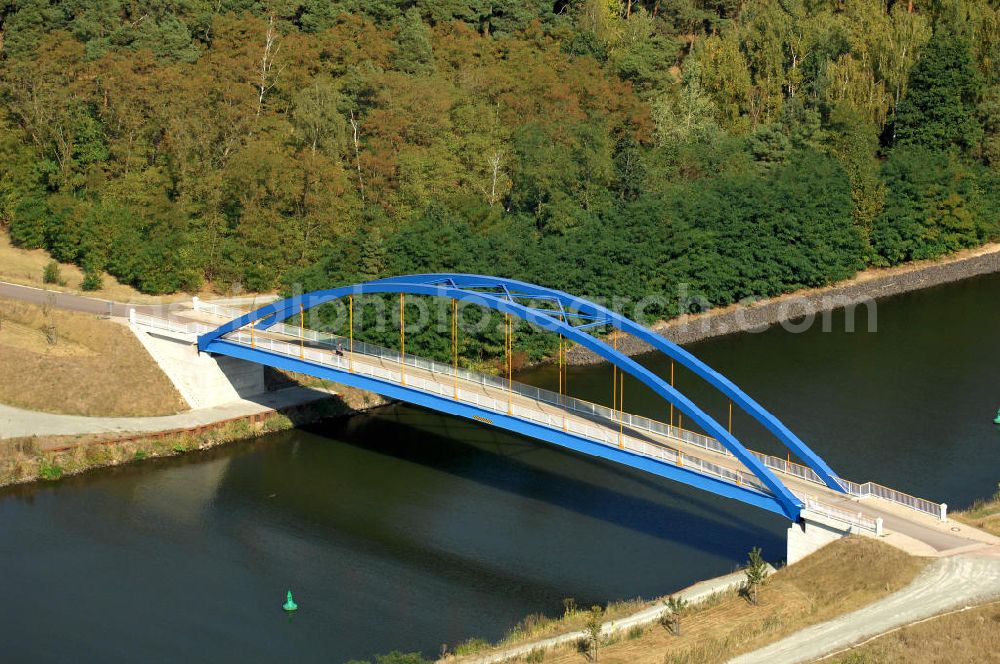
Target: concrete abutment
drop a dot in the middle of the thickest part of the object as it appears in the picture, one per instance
(813, 531)
(203, 380)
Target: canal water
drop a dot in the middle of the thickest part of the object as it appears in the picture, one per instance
(403, 529)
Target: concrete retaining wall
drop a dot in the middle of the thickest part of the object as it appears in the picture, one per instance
(814, 531)
(203, 380)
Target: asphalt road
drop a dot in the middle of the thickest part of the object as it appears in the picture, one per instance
(90, 305)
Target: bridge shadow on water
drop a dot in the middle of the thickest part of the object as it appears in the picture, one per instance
(593, 488)
(422, 508)
(517, 456)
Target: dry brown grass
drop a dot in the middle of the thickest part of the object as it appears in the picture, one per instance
(967, 637)
(25, 267)
(96, 367)
(984, 514)
(839, 578)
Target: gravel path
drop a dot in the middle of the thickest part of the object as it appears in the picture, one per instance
(946, 584)
(20, 423)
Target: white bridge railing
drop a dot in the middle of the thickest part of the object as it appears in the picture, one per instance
(618, 419)
(167, 325)
(854, 519)
(599, 434)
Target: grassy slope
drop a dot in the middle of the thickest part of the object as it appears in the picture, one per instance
(25, 267)
(971, 635)
(839, 578)
(96, 367)
(984, 514)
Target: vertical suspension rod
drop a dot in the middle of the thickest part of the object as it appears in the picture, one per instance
(671, 385)
(614, 377)
(509, 338)
(454, 345)
(562, 367)
(402, 338)
(621, 411)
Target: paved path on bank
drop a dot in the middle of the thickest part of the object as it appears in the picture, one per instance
(946, 584)
(20, 423)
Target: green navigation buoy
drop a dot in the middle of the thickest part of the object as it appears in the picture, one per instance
(996, 420)
(290, 605)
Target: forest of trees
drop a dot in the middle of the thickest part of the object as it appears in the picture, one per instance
(605, 147)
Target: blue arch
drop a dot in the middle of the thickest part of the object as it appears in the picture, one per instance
(564, 310)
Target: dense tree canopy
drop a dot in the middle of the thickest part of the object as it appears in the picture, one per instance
(608, 147)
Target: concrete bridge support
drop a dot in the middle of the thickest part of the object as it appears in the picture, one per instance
(813, 531)
(202, 379)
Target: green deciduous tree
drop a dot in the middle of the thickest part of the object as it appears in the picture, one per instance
(855, 143)
(414, 53)
(755, 573)
(685, 114)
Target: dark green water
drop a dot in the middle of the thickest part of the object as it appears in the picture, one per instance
(404, 529)
(910, 405)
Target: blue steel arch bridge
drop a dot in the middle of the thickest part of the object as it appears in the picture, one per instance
(713, 460)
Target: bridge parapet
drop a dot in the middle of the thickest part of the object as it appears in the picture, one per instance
(685, 436)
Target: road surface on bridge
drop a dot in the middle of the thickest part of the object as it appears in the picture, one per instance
(915, 532)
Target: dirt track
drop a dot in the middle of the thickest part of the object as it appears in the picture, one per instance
(947, 583)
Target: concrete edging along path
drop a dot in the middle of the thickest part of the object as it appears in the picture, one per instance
(947, 583)
(694, 594)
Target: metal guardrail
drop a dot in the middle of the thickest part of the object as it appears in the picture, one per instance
(167, 325)
(855, 519)
(602, 435)
(219, 310)
(598, 434)
(937, 510)
(940, 510)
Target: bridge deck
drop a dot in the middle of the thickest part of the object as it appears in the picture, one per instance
(920, 532)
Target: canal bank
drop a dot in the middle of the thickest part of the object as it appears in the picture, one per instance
(401, 529)
(854, 294)
(68, 445)
(718, 619)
